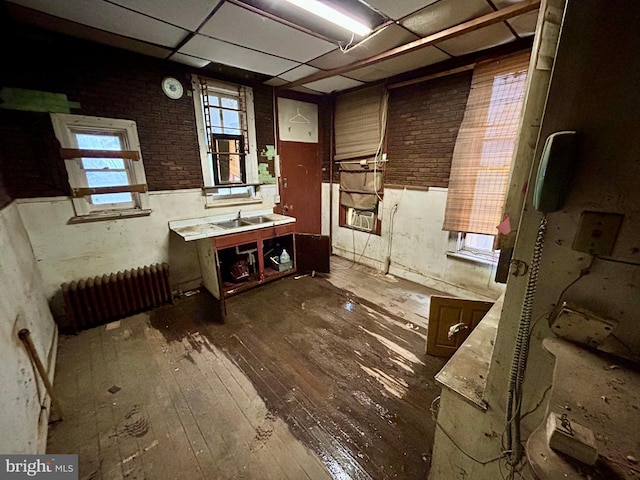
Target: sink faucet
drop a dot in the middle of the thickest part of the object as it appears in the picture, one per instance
(239, 214)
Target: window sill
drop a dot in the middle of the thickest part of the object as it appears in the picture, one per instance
(98, 217)
(470, 257)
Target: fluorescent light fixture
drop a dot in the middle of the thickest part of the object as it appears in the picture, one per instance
(332, 15)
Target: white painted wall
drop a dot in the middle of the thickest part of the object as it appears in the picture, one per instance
(23, 304)
(71, 252)
(415, 243)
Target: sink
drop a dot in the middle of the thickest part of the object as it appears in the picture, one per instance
(234, 223)
(258, 219)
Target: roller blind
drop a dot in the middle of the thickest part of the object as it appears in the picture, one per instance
(485, 145)
(358, 123)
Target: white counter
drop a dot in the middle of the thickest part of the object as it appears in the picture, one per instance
(197, 228)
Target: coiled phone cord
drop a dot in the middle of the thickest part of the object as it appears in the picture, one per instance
(521, 350)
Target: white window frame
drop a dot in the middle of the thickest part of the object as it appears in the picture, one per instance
(226, 193)
(459, 248)
(65, 126)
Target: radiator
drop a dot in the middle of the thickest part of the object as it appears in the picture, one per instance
(102, 299)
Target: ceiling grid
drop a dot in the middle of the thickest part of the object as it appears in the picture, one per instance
(289, 47)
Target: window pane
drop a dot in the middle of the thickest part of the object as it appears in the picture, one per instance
(230, 103)
(107, 179)
(104, 198)
(103, 163)
(216, 119)
(476, 241)
(99, 141)
(229, 168)
(231, 120)
(214, 101)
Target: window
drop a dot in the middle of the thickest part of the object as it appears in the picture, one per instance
(473, 246)
(104, 164)
(359, 132)
(485, 145)
(226, 131)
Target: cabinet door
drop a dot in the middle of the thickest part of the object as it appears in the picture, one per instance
(451, 320)
(313, 253)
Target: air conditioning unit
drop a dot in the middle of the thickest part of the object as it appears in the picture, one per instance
(361, 219)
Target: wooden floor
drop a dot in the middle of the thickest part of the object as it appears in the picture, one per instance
(308, 378)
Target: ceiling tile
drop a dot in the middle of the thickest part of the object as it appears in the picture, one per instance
(112, 18)
(306, 90)
(397, 9)
(383, 40)
(445, 14)
(506, 3)
(367, 74)
(67, 27)
(333, 59)
(298, 72)
(275, 82)
(525, 24)
(240, 26)
(331, 84)
(188, 14)
(240, 57)
(482, 39)
(411, 61)
(189, 60)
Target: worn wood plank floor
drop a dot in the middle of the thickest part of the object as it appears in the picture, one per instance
(304, 380)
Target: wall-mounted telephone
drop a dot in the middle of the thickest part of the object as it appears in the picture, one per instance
(554, 174)
(552, 183)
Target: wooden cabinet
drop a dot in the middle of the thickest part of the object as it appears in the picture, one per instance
(218, 253)
(258, 248)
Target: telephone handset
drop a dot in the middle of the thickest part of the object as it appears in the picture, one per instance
(555, 170)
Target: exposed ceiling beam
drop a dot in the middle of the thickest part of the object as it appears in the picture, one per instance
(456, 31)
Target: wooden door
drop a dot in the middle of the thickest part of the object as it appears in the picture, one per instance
(301, 184)
(313, 253)
(451, 320)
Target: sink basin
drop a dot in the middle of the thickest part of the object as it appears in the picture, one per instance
(258, 219)
(233, 223)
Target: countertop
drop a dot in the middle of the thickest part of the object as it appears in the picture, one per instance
(206, 227)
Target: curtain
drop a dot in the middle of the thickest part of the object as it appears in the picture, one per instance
(485, 145)
(360, 186)
(358, 123)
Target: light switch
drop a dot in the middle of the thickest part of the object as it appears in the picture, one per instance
(597, 232)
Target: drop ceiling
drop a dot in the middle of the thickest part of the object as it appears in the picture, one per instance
(278, 40)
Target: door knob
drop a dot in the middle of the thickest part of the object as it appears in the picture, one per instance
(453, 329)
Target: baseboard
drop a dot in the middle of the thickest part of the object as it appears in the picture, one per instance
(437, 284)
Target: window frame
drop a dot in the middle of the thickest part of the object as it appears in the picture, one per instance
(65, 127)
(460, 249)
(247, 191)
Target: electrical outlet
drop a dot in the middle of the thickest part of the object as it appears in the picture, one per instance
(276, 199)
(597, 232)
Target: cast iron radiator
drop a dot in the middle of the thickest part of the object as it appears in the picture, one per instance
(98, 300)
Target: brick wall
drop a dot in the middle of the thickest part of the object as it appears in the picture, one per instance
(110, 83)
(423, 124)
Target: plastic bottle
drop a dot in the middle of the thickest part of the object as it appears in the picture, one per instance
(284, 257)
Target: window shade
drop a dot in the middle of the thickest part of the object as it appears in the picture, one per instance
(358, 123)
(485, 145)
